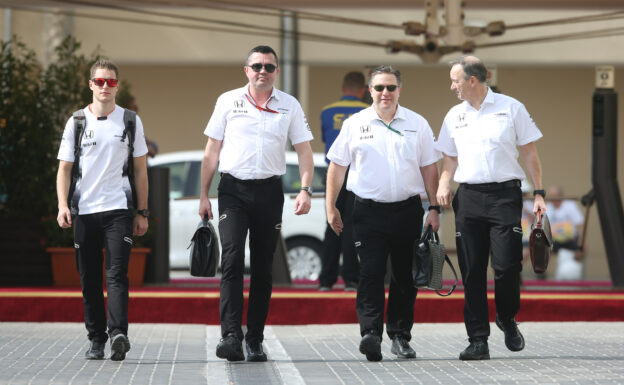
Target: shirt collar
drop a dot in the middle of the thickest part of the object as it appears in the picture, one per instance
(274, 92)
(372, 114)
(349, 97)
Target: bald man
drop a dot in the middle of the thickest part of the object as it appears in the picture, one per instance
(481, 139)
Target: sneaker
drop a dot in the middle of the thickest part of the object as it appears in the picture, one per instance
(402, 348)
(230, 348)
(96, 350)
(255, 352)
(350, 286)
(477, 350)
(120, 345)
(325, 288)
(513, 338)
(371, 346)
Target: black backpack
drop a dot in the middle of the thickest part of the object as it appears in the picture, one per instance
(80, 123)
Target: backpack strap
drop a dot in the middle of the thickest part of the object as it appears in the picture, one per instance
(130, 132)
(80, 123)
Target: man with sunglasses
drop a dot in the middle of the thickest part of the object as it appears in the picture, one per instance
(480, 139)
(247, 138)
(390, 151)
(102, 205)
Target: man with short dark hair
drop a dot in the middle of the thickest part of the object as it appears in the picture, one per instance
(480, 139)
(332, 117)
(247, 136)
(392, 160)
(102, 207)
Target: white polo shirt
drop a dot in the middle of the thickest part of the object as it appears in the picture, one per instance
(104, 157)
(254, 141)
(385, 166)
(485, 141)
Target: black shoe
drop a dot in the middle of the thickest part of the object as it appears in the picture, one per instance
(325, 288)
(513, 338)
(230, 348)
(255, 352)
(371, 347)
(401, 348)
(477, 350)
(120, 345)
(96, 351)
(351, 286)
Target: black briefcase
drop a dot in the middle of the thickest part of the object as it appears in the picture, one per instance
(428, 260)
(205, 253)
(540, 243)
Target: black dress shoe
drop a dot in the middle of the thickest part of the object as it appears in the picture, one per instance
(401, 348)
(96, 351)
(255, 352)
(371, 347)
(477, 350)
(120, 345)
(513, 338)
(230, 348)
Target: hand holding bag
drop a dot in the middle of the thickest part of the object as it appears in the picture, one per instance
(540, 243)
(428, 261)
(205, 253)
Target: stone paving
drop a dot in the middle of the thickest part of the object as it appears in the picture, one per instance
(555, 353)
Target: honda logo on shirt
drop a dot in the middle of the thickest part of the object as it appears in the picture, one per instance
(461, 117)
(365, 129)
(88, 134)
(239, 103)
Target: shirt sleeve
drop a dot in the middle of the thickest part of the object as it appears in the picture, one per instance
(428, 152)
(299, 130)
(339, 152)
(526, 129)
(445, 143)
(140, 144)
(218, 121)
(66, 149)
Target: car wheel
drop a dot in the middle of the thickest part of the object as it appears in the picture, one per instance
(304, 258)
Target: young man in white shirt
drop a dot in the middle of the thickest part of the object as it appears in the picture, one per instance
(479, 139)
(392, 159)
(247, 136)
(101, 208)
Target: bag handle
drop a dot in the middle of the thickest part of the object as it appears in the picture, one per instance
(205, 220)
(538, 218)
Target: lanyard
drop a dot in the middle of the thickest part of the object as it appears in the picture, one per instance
(390, 128)
(267, 109)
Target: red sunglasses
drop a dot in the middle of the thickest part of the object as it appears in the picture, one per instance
(100, 82)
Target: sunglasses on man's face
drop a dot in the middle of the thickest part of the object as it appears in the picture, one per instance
(380, 88)
(257, 67)
(100, 82)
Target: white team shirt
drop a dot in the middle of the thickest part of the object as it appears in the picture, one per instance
(485, 141)
(385, 166)
(103, 158)
(254, 141)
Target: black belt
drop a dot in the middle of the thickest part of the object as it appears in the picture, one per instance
(389, 205)
(249, 181)
(492, 186)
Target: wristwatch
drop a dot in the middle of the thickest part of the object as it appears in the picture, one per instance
(145, 213)
(436, 208)
(307, 189)
(540, 192)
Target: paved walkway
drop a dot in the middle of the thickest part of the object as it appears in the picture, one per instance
(556, 353)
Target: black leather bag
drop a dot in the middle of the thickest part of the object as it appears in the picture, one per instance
(540, 243)
(428, 262)
(205, 253)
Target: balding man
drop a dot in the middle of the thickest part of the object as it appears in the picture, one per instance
(480, 139)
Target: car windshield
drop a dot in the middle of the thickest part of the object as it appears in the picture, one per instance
(185, 179)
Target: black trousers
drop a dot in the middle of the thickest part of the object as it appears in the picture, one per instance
(488, 219)
(254, 207)
(381, 230)
(111, 230)
(333, 245)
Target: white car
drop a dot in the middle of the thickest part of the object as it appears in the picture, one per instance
(303, 234)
